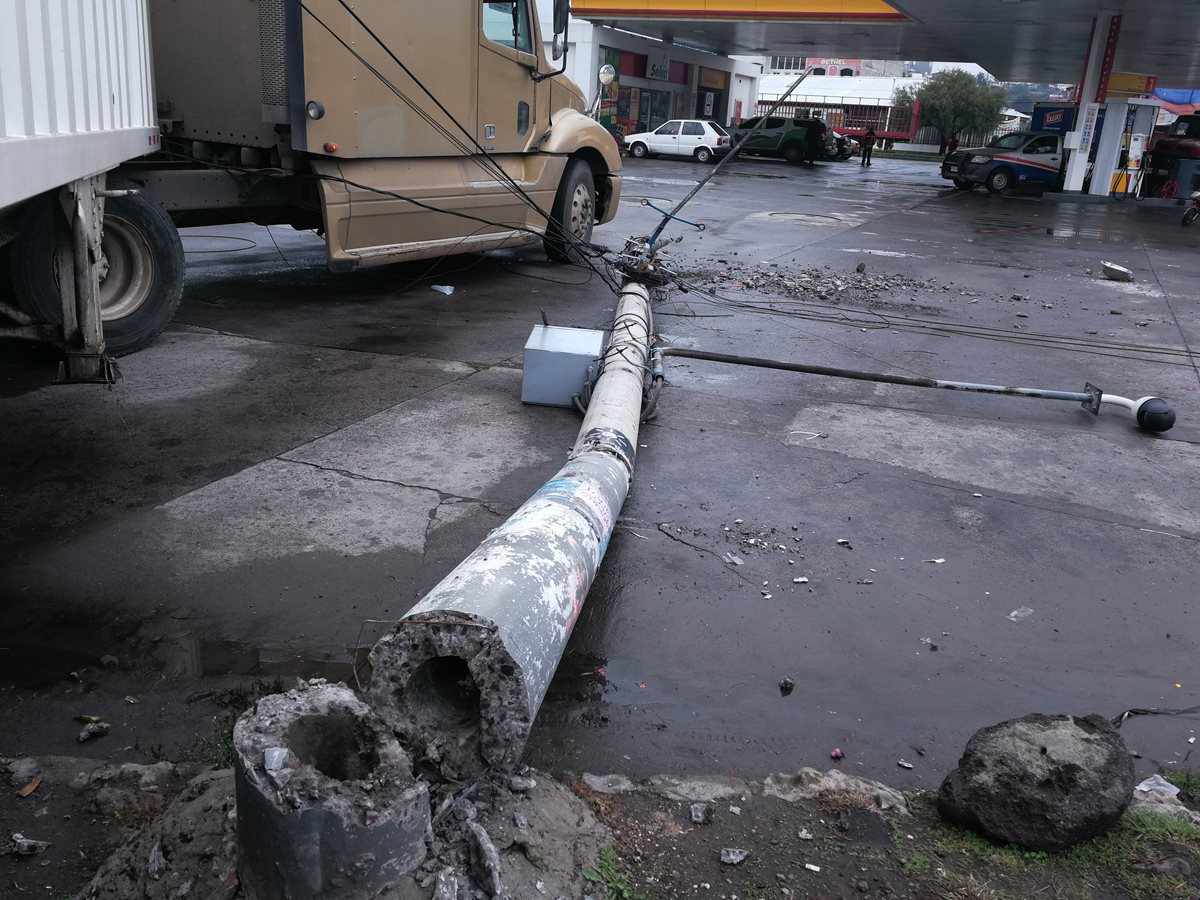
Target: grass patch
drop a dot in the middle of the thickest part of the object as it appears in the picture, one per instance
(609, 873)
(1188, 784)
(216, 749)
(954, 862)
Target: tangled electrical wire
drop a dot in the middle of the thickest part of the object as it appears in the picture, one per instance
(813, 311)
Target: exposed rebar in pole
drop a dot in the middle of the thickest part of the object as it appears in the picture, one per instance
(461, 677)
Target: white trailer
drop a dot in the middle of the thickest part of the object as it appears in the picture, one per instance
(76, 101)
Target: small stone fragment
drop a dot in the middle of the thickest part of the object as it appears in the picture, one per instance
(521, 784)
(732, 856)
(520, 819)
(447, 885)
(804, 834)
(156, 864)
(93, 730)
(485, 860)
(23, 846)
(701, 813)
(787, 685)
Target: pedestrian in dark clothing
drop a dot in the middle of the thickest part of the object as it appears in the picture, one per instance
(868, 144)
(812, 143)
(952, 144)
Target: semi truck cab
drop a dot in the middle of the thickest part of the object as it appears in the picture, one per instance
(1022, 157)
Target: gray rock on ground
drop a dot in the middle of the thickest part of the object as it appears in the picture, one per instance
(1042, 782)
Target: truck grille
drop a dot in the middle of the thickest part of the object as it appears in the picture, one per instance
(272, 49)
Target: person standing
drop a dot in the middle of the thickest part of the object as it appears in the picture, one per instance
(952, 144)
(868, 144)
(812, 142)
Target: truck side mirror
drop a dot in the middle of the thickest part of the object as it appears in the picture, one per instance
(562, 11)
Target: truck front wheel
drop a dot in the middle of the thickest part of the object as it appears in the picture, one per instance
(999, 181)
(573, 214)
(963, 185)
(141, 271)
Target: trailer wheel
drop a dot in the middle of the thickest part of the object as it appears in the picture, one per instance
(573, 214)
(141, 275)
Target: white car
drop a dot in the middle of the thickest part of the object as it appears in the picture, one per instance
(681, 137)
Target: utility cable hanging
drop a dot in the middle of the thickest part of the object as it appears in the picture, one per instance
(674, 213)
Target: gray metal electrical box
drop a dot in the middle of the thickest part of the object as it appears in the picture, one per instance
(557, 363)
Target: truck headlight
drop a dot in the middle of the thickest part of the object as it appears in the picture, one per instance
(981, 159)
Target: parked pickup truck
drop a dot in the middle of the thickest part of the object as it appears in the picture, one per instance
(1022, 157)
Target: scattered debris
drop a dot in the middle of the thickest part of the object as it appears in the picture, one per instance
(1041, 782)
(812, 868)
(836, 753)
(485, 860)
(736, 810)
(89, 720)
(810, 784)
(787, 685)
(446, 289)
(521, 784)
(977, 495)
(803, 579)
(1113, 272)
(1021, 612)
(109, 661)
(156, 864)
(767, 595)
(903, 764)
(732, 559)
(93, 730)
(804, 834)
(275, 758)
(129, 698)
(1157, 783)
(701, 813)
(446, 887)
(608, 784)
(32, 786)
(860, 268)
(23, 846)
(1174, 867)
(734, 857)
(842, 542)
(938, 561)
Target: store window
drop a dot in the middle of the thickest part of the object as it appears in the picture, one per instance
(506, 22)
(818, 70)
(787, 63)
(846, 73)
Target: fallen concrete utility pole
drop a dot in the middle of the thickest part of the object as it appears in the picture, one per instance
(1152, 413)
(462, 676)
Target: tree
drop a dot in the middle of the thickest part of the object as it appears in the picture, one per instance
(954, 102)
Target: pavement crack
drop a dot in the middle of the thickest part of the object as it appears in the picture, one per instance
(663, 526)
(493, 506)
(853, 478)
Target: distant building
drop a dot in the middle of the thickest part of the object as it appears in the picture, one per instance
(843, 68)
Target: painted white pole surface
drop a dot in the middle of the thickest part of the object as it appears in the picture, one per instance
(461, 677)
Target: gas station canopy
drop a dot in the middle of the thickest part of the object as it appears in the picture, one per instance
(1015, 40)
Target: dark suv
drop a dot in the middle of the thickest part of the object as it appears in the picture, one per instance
(785, 138)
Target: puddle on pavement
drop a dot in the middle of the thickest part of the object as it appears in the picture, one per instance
(47, 653)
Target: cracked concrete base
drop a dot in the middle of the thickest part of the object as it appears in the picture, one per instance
(326, 802)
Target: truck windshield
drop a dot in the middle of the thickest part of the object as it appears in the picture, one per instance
(1009, 141)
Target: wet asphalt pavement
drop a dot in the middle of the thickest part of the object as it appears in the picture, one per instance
(304, 454)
